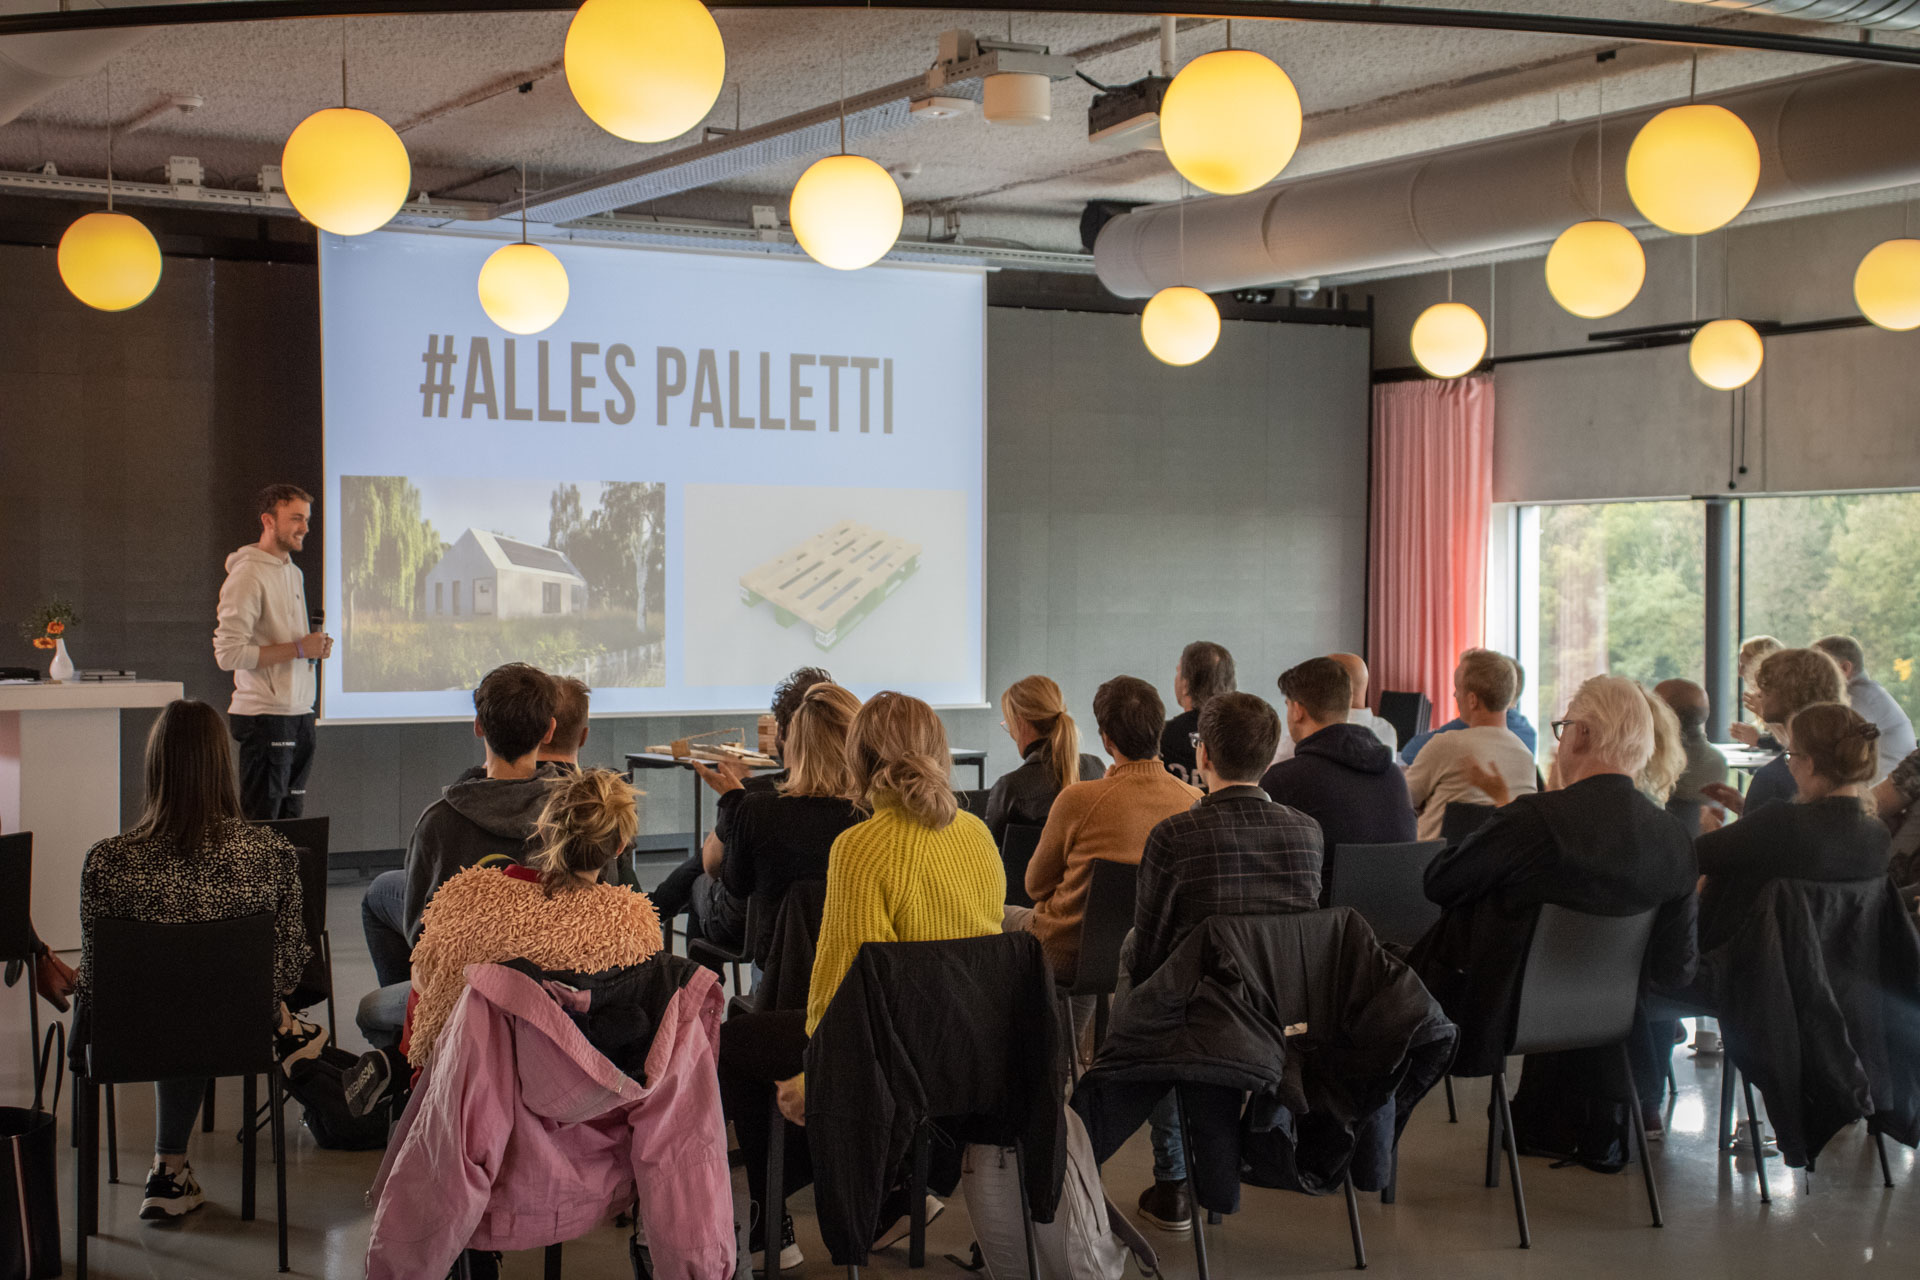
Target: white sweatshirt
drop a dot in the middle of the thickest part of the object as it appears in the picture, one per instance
(262, 602)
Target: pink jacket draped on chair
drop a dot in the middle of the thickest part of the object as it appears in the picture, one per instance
(521, 1134)
(1432, 495)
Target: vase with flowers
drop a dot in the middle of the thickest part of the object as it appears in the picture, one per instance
(47, 628)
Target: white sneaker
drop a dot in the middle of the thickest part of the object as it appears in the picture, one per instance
(904, 1227)
(170, 1195)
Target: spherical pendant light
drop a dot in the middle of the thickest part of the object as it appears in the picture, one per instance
(845, 212)
(109, 261)
(1693, 168)
(523, 288)
(1887, 285)
(1726, 354)
(346, 171)
(1449, 339)
(1595, 268)
(1230, 121)
(1180, 325)
(645, 70)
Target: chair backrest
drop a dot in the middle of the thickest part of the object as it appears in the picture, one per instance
(1016, 851)
(974, 802)
(303, 833)
(1408, 713)
(308, 836)
(1462, 819)
(172, 1000)
(786, 971)
(1688, 811)
(1103, 926)
(16, 896)
(1581, 983)
(1385, 883)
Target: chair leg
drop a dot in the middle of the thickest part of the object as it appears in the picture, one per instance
(1199, 1227)
(773, 1214)
(1729, 1132)
(278, 1118)
(551, 1263)
(1102, 1020)
(917, 1199)
(1453, 1112)
(1759, 1147)
(1353, 1225)
(1512, 1141)
(1886, 1171)
(113, 1140)
(326, 961)
(1391, 1191)
(1640, 1138)
(83, 1171)
(248, 1146)
(1493, 1142)
(206, 1112)
(1064, 1011)
(1026, 1213)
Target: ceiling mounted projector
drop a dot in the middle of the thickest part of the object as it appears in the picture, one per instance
(1017, 86)
(1127, 117)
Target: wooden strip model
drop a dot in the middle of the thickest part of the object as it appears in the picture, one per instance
(833, 579)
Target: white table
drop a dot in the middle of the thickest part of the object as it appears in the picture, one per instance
(60, 779)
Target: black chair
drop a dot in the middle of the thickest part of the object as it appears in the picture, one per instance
(1408, 713)
(1016, 851)
(1104, 923)
(16, 917)
(714, 956)
(1580, 990)
(974, 802)
(213, 1016)
(1461, 820)
(308, 836)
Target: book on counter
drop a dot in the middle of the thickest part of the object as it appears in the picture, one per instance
(104, 673)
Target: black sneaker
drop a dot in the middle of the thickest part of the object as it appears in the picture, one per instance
(368, 1082)
(790, 1255)
(302, 1040)
(1168, 1206)
(170, 1195)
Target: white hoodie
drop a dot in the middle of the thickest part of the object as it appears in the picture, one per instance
(262, 602)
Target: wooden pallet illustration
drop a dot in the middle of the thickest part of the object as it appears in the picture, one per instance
(832, 580)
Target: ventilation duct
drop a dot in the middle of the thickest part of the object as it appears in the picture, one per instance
(1888, 15)
(1820, 137)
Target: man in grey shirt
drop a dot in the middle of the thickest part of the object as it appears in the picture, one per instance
(1871, 701)
(1705, 764)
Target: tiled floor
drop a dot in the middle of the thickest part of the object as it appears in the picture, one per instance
(1446, 1223)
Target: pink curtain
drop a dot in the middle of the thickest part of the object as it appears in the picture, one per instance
(1432, 493)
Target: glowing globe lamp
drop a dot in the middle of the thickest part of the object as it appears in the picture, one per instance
(109, 261)
(523, 288)
(1449, 339)
(845, 212)
(1726, 354)
(346, 171)
(1887, 285)
(1180, 325)
(1692, 169)
(1595, 268)
(1230, 121)
(645, 70)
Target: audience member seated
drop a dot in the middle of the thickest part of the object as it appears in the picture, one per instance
(1661, 774)
(1871, 700)
(553, 911)
(1893, 802)
(1787, 682)
(1106, 819)
(192, 857)
(1341, 774)
(1035, 717)
(1357, 712)
(1826, 833)
(1205, 670)
(1595, 844)
(917, 870)
(782, 836)
(1753, 733)
(1235, 853)
(1521, 727)
(1454, 764)
(1705, 765)
(475, 819)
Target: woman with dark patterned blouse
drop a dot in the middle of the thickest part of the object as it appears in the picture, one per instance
(192, 857)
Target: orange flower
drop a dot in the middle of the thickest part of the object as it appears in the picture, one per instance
(41, 642)
(55, 627)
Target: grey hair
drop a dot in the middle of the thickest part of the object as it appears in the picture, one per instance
(1618, 720)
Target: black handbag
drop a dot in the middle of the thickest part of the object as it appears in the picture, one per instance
(29, 1186)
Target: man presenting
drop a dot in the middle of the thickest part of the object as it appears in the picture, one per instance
(263, 638)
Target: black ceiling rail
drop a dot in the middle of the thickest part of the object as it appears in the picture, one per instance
(220, 12)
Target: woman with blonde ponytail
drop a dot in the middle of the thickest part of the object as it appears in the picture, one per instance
(555, 912)
(1034, 714)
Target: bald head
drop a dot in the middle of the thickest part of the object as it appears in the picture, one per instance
(1688, 700)
(1356, 674)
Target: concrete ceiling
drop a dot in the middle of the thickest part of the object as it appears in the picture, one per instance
(449, 83)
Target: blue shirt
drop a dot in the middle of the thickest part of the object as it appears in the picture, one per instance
(1521, 727)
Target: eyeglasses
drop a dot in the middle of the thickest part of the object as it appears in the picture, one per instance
(1560, 727)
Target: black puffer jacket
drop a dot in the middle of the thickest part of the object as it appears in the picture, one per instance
(1818, 996)
(1334, 1038)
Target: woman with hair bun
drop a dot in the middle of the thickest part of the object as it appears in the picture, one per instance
(1034, 714)
(1826, 833)
(554, 912)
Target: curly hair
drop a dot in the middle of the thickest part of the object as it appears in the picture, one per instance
(1791, 679)
(897, 746)
(589, 818)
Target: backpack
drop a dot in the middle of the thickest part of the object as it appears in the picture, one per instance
(319, 1086)
(1088, 1238)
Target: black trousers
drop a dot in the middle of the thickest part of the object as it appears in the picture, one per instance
(276, 754)
(756, 1050)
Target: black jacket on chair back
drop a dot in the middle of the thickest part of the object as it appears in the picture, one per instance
(1818, 996)
(962, 1032)
(786, 970)
(1334, 1038)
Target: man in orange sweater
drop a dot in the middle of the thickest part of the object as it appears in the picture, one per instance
(1105, 818)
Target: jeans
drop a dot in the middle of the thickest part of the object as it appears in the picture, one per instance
(276, 754)
(176, 1105)
(383, 918)
(382, 1014)
(1169, 1151)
